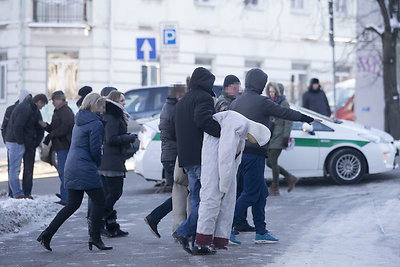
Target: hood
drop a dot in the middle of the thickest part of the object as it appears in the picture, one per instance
(114, 109)
(260, 133)
(256, 80)
(22, 95)
(84, 117)
(202, 79)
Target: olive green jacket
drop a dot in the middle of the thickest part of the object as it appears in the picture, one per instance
(280, 131)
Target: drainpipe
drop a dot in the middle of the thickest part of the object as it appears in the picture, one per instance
(21, 49)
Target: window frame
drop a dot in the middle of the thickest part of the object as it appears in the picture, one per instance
(3, 82)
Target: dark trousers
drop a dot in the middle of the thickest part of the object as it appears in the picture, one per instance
(255, 191)
(272, 162)
(166, 207)
(27, 177)
(242, 221)
(112, 187)
(74, 202)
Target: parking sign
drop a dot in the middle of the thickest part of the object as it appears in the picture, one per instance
(169, 32)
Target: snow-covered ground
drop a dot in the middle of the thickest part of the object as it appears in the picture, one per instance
(25, 215)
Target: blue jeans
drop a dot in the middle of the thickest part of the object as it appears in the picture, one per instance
(61, 159)
(255, 191)
(15, 154)
(188, 227)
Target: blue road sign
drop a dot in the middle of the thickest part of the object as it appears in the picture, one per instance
(169, 36)
(146, 48)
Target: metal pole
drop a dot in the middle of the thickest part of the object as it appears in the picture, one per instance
(332, 43)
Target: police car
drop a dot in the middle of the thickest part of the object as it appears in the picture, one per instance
(343, 150)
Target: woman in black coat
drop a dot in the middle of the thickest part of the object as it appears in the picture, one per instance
(115, 152)
(81, 173)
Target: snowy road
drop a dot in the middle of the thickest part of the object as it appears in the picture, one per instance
(318, 224)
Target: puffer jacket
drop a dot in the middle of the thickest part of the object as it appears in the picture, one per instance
(167, 131)
(61, 126)
(258, 108)
(116, 139)
(281, 128)
(84, 156)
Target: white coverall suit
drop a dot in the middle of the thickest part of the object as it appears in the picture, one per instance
(220, 159)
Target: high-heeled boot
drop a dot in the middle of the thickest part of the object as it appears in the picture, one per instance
(44, 239)
(96, 241)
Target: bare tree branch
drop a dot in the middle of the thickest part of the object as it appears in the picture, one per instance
(385, 15)
(373, 29)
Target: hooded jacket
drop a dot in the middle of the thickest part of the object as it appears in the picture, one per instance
(23, 127)
(84, 156)
(6, 119)
(316, 100)
(167, 131)
(116, 139)
(60, 128)
(193, 117)
(258, 108)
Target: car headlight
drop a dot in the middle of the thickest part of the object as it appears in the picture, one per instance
(372, 138)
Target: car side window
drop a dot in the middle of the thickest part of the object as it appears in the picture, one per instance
(318, 127)
(136, 101)
(158, 98)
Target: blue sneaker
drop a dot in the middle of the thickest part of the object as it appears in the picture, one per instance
(233, 240)
(265, 239)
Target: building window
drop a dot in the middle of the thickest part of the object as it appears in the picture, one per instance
(62, 73)
(299, 66)
(60, 11)
(251, 64)
(150, 75)
(341, 7)
(205, 62)
(297, 4)
(251, 3)
(3, 77)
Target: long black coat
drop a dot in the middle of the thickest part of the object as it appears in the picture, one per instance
(23, 127)
(316, 100)
(167, 131)
(60, 128)
(116, 139)
(193, 117)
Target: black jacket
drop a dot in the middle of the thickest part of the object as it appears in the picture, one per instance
(60, 128)
(193, 117)
(23, 126)
(116, 139)
(167, 131)
(6, 119)
(316, 100)
(258, 108)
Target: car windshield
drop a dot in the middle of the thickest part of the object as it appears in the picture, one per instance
(315, 114)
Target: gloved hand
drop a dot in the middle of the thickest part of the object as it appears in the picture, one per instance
(132, 137)
(285, 141)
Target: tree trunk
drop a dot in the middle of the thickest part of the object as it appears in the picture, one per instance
(392, 107)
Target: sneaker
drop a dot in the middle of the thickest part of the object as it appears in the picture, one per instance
(265, 239)
(152, 226)
(233, 240)
(203, 250)
(183, 241)
(58, 195)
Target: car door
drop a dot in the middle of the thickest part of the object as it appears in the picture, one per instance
(302, 156)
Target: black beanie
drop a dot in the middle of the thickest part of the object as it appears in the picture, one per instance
(107, 90)
(230, 79)
(314, 80)
(84, 91)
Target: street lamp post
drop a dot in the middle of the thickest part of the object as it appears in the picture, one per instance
(332, 43)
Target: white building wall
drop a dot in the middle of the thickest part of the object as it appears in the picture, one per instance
(226, 31)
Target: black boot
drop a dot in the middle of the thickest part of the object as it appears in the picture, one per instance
(44, 239)
(112, 227)
(95, 240)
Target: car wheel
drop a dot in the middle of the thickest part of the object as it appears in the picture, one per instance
(347, 166)
(53, 158)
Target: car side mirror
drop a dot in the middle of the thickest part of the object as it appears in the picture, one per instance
(308, 128)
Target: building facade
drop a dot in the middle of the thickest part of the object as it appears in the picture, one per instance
(48, 45)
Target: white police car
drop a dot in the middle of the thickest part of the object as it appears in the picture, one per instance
(342, 150)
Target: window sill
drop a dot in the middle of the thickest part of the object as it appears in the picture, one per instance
(254, 8)
(204, 4)
(77, 25)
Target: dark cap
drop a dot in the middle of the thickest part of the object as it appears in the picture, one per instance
(107, 90)
(59, 95)
(314, 80)
(84, 91)
(230, 79)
